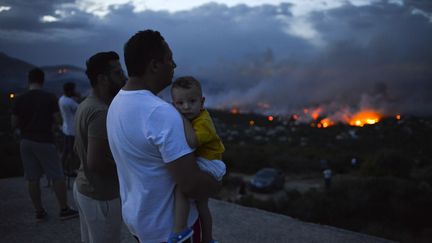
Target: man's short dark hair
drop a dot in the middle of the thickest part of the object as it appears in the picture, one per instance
(69, 88)
(36, 75)
(140, 49)
(186, 82)
(99, 63)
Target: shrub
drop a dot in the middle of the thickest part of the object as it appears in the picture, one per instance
(388, 163)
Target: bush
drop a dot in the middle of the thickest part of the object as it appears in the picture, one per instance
(388, 163)
(356, 204)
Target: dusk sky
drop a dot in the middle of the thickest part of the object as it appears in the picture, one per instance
(280, 56)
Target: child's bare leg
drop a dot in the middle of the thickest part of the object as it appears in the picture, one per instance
(206, 220)
(181, 211)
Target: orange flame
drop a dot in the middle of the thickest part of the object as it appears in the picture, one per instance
(324, 123)
(234, 110)
(314, 113)
(365, 117)
(398, 117)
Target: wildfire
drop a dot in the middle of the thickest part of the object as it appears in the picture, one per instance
(314, 113)
(324, 123)
(234, 111)
(365, 117)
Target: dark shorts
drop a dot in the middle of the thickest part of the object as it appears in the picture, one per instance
(68, 145)
(39, 158)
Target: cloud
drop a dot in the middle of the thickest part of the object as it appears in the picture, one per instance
(361, 54)
(290, 57)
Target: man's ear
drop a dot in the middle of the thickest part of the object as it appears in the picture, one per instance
(101, 79)
(154, 65)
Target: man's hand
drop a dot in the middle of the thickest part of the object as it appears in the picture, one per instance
(191, 180)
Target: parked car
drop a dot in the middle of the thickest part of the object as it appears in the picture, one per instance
(267, 179)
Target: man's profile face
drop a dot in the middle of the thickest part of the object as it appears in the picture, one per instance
(116, 77)
(168, 66)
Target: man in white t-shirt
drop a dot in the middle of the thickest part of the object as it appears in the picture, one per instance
(68, 106)
(148, 143)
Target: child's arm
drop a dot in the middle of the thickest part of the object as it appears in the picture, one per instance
(190, 133)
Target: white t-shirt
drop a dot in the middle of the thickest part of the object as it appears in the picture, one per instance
(145, 133)
(68, 107)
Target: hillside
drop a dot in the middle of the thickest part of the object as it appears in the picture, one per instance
(13, 75)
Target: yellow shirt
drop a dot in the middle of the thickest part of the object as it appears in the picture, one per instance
(209, 144)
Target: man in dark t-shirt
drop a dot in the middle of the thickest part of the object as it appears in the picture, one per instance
(34, 113)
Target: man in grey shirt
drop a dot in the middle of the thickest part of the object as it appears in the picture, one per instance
(96, 188)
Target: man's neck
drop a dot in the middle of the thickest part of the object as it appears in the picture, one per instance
(141, 83)
(103, 96)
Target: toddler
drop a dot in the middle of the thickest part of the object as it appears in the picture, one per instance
(188, 99)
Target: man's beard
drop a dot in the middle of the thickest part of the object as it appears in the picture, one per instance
(114, 89)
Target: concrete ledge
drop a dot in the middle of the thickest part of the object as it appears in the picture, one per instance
(232, 223)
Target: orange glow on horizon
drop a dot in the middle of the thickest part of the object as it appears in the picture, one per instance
(365, 117)
(234, 110)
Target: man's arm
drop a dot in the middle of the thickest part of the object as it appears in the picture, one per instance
(190, 133)
(97, 160)
(191, 180)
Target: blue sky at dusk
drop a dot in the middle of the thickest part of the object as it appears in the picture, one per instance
(279, 56)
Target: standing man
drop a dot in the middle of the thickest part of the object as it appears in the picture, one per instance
(68, 106)
(34, 114)
(149, 146)
(96, 189)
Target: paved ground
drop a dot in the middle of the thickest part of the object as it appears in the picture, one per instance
(232, 223)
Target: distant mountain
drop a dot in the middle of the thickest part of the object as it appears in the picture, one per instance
(13, 72)
(56, 76)
(13, 76)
